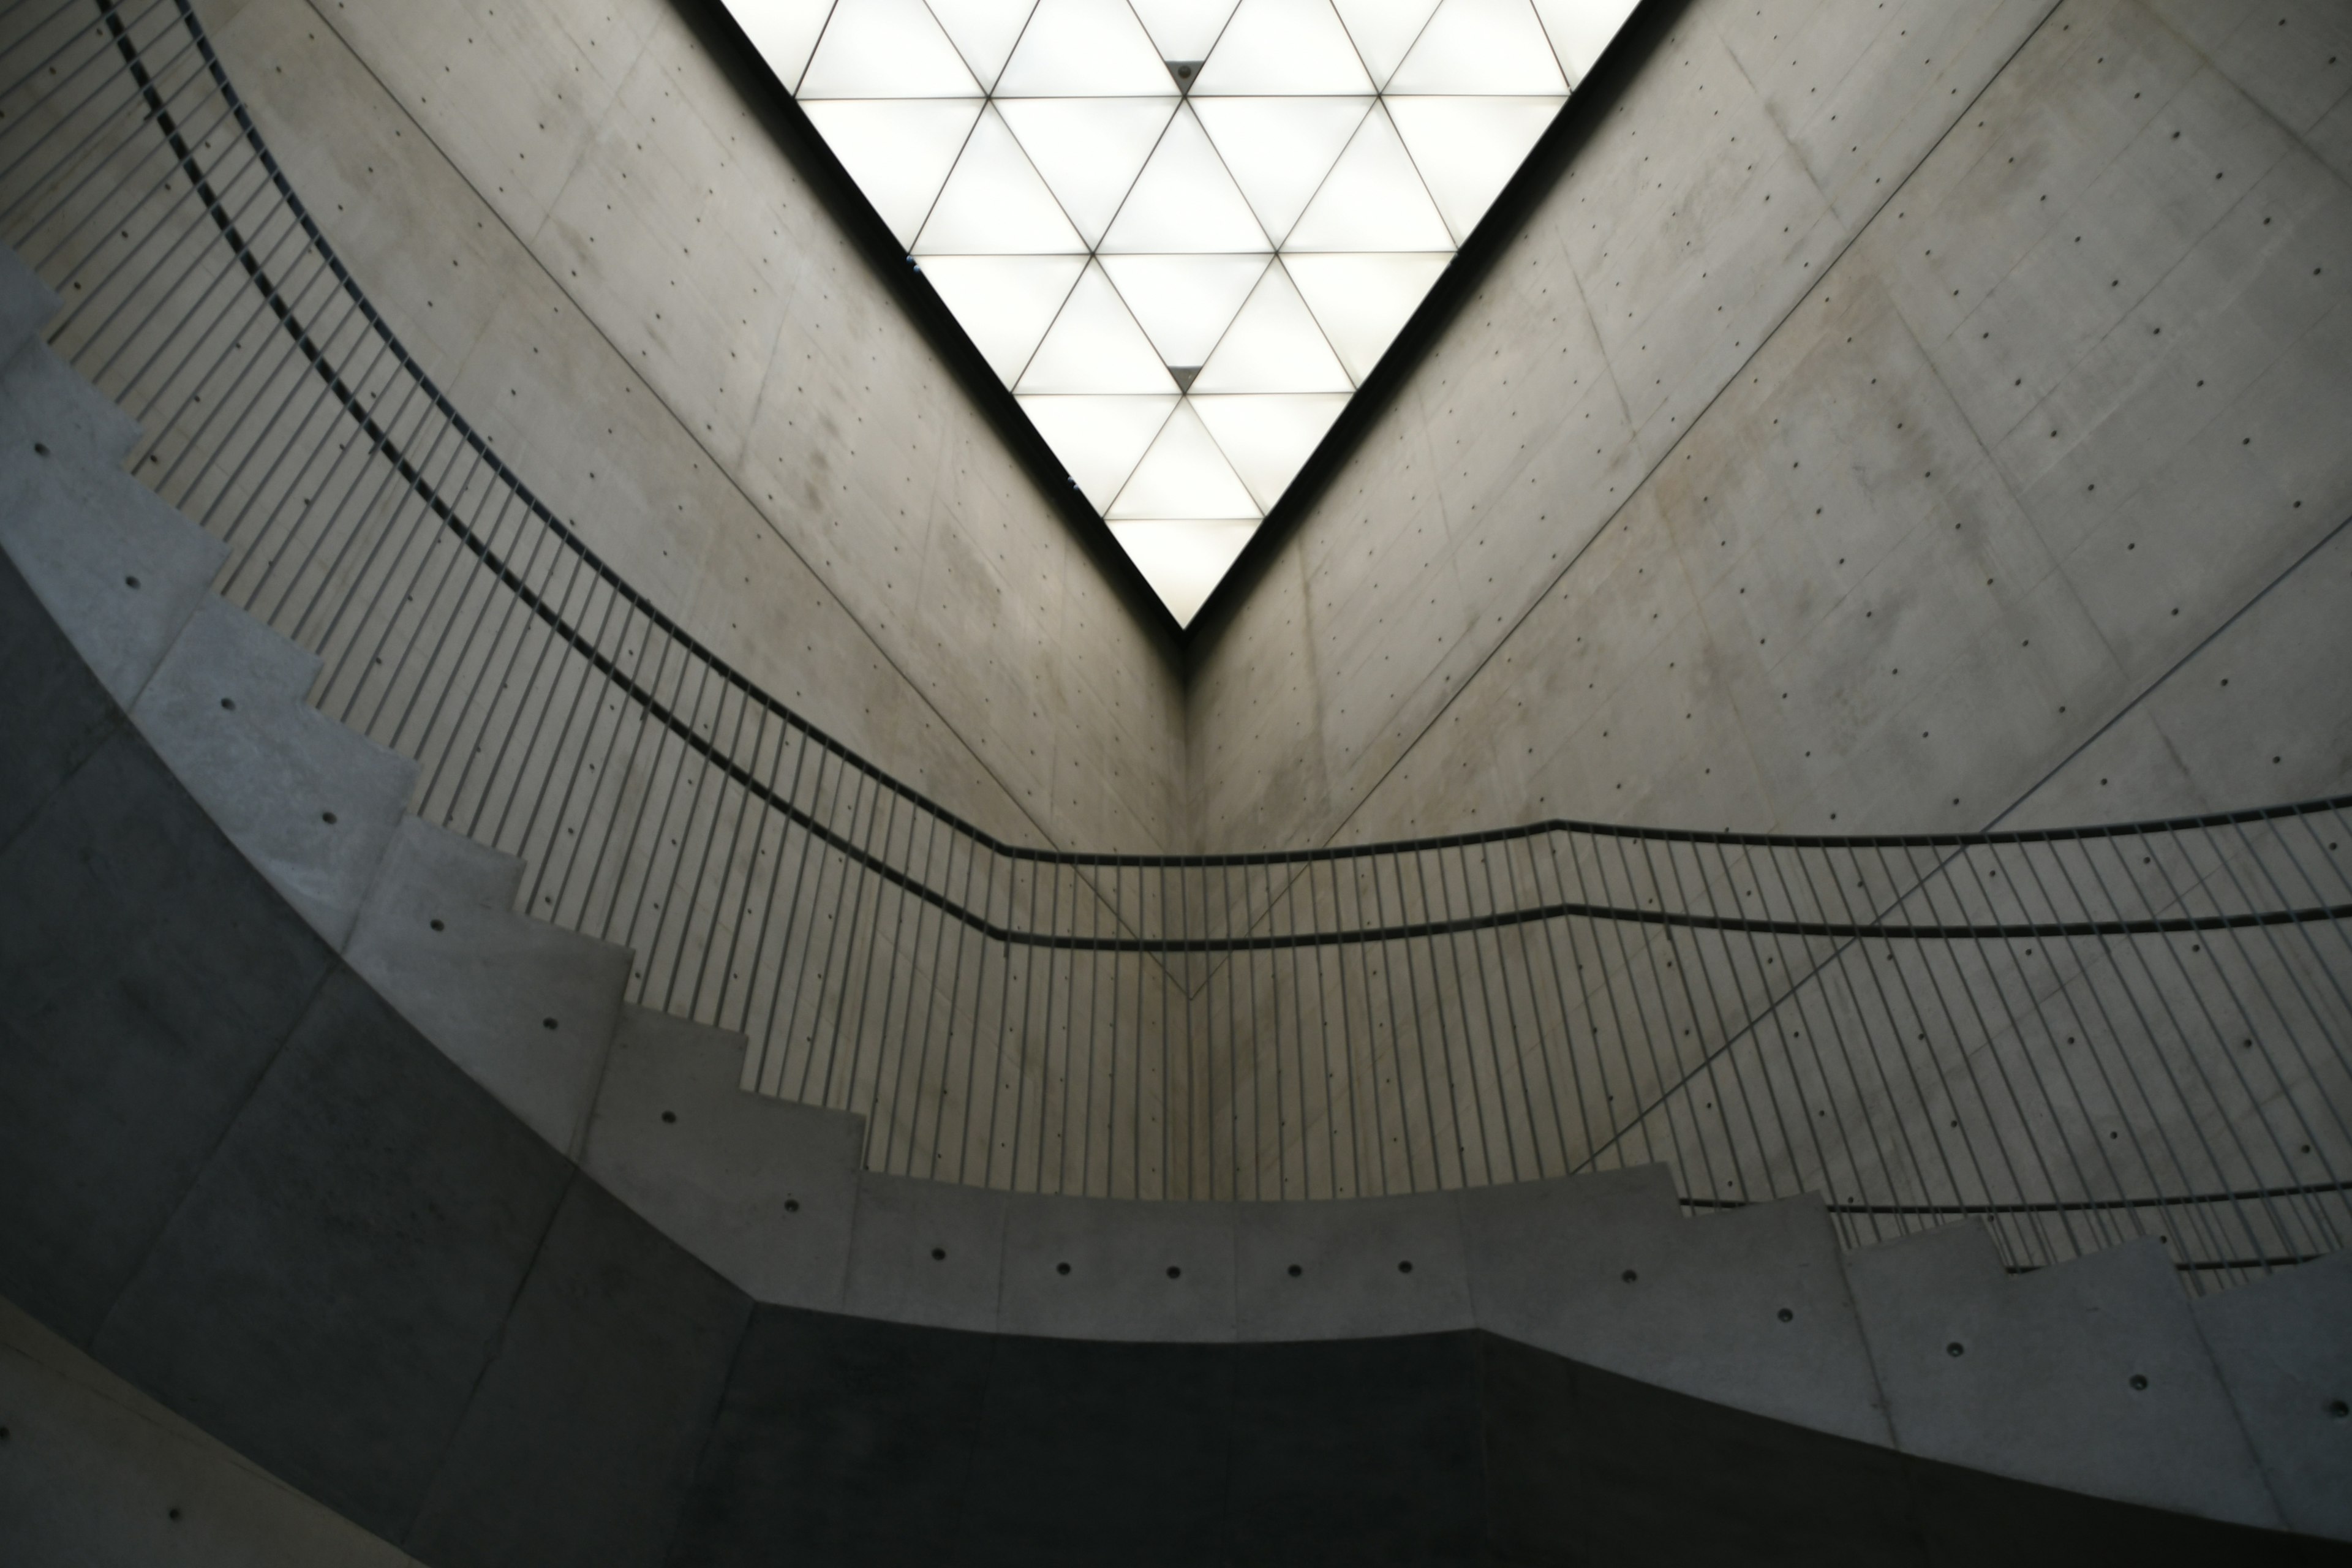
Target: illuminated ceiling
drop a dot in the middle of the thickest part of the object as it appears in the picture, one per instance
(1182, 232)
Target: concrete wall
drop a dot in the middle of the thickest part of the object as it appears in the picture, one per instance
(578, 225)
(1889, 406)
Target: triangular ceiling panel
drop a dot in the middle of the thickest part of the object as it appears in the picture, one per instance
(1083, 48)
(1269, 438)
(1185, 302)
(1099, 440)
(1361, 303)
(983, 31)
(1183, 29)
(1280, 149)
(1185, 475)
(1182, 231)
(1095, 346)
(885, 49)
(1273, 345)
(1384, 31)
(898, 150)
(785, 32)
(1580, 29)
(1373, 199)
(1481, 47)
(1006, 302)
(1287, 48)
(1089, 150)
(1467, 148)
(1185, 200)
(1183, 561)
(994, 204)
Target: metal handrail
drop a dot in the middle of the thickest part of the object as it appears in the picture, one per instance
(2080, 1034)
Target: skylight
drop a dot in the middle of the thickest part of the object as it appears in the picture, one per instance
(1181, 232)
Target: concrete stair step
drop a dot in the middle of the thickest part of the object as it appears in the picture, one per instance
(27, 305)
(528, 1009)
(2284, 1348)
(2090, 1375)
(312, 805)
(761, 1190)
(1747, 1307)
(118, 571)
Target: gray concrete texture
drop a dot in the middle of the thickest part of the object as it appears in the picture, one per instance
(1878, 411)
(585, 235)
(99, 1473)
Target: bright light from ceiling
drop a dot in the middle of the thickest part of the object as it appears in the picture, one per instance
(1182, 232)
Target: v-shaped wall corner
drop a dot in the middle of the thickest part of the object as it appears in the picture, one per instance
(1181, 232)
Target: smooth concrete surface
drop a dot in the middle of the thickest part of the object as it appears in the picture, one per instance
(1878, 409)
(1360, 1269)
(585, 233)
(2285, 1355)
(553, 1465)
(311, 804)
(926, 1252)
(115, 567)
(1101, 1269)
(94, 1472)
(528, 1009)
(2096, 1367)
(761, 1190)
(863, 1442)
(328, 1293)
(1604, 1270)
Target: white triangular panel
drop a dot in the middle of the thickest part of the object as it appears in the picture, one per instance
(1185, 302)
(1099, 439)
(983, 31)
(1372, 200)
(1580, 29)
(783, 31)
(1095, 346)
(1384, 31)
(1481, 47)
(1183, 29)
(885, 49)
(1181, 289)
(1083, 48)
(1279, 149)
(1004, 303)
(1269, 438)
(1363, 301)
(1185, 202)
(1284, 48)
(1273, 345)
(1183, 560)
(1184, 474)
(1468, 148)
(1089, 150)
(994, 204)
(898, 150)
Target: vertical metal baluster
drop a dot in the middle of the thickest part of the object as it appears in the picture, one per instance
(1662, 1105)
(824, 842)
(1601, 916)
(2269, 1200)
(2090, 1218)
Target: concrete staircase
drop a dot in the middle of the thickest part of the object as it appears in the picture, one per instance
(2098, 1376)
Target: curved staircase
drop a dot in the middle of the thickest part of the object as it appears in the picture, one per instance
(309, 1136)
